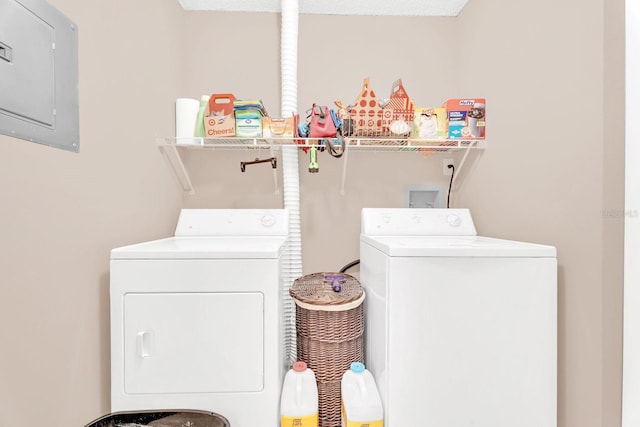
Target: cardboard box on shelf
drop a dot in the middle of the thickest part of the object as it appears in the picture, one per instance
(430, 123)
(276, 127)
(219, 120)
(400, 108)
(366, 112)
(466, 118)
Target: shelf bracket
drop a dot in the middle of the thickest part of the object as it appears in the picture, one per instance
(175, 161)
(467, 150)
(344, 168)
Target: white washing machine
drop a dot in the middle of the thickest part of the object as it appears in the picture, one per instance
(197, 319)
(461, 330)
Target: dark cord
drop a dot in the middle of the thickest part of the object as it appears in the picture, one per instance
(348, 266)
(453, 171)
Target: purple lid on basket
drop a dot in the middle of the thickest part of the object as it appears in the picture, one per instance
(336, 281)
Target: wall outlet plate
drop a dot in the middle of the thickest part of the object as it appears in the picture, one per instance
(446, 170)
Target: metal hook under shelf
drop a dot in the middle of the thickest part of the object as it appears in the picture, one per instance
(273, 161)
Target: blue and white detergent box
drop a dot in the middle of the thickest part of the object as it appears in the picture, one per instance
(466, 118)
(249, 114)
(248, 124)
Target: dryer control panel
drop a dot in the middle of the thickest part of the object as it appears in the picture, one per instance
(417, 222)
(233, 222)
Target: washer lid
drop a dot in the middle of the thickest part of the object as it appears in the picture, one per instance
(455, 246)
(252, 247)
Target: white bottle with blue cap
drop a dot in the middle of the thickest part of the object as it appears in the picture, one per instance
(361, 403)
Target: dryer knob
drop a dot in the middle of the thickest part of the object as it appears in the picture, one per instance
(454, 220)
(268, 220)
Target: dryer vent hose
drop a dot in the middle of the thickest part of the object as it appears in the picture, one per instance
(289, 105)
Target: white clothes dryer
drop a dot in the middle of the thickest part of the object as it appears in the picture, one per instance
(197, 319)
(461, 330)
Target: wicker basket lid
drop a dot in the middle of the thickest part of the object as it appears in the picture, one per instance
(318, 289)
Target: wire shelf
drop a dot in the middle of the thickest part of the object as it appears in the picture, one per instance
(171, 148)
(355, 143)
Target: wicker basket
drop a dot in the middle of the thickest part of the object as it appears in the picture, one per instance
(329, 330)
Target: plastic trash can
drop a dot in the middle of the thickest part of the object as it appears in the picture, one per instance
(155, 418)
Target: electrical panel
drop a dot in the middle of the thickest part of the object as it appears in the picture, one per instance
(38, 74)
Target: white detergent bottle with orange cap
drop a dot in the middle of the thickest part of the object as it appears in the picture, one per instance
(361, 403)
(299, 399)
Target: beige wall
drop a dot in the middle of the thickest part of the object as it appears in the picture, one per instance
(613, 200)
(539, 179)
(62, 213)
(548, 58)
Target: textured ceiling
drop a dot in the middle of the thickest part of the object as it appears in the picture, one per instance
(337, 7)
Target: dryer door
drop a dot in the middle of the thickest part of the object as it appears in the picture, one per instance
(193, 342)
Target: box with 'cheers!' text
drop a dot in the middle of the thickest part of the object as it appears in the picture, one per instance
(466, 118)
(219, 120)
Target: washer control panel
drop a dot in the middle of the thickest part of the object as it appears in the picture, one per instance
(417, 222)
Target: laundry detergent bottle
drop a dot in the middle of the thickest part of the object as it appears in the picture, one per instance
(299, 400)
(361, 403)
(202, 111)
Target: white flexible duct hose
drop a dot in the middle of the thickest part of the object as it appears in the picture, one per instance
(291, 182)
